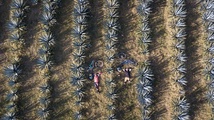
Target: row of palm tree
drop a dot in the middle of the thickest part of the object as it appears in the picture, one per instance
(208, 17)
(112, 28)
(13, 73)
(80, 42)
(145, 74)
(44, 62)
(16, 28)
(179, 15)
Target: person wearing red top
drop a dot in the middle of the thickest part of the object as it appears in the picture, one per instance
(96, 81)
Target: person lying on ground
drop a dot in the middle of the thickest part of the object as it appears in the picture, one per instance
(96, 80)
(127, 75)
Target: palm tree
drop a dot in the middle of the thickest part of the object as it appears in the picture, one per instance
(12, 82)
(144, 87)
(16, 36)
(12, 95)
(208, 16)
(45, 88)
(182, 81)
(44, 101)
(79, 103)
(111, 107)
(145, 27)
(182, 105)
(112, 35)
(47, 39)
(109, 70)
(79, 93)
(113, 13)
(211, 61)
(210, 36)
(80, 45)
(44, 62)
(82, 2)
(112, 117)
(178, 2)
(146, 39)
(110, 45)
(18, 4)
(112, 4)
(182, 57)
(112, 24)
(145, 100)
(18, 13)
(210, 27)
(181, 68)
(48, 7)
(210, 96)
(110, 83)
(110, 57)
(44, 51)
(180, 11)
(12, 71)
(34, 2)
(180, 23)
(77, 80)
(208, 4)
(9, 116)
(48, 19)
(79, 31)
(180, 45)
(11, 107)
(79, 56)
(146, 74)
(43, 113)
(78, 115)
(77, 68)
(81, 10)
(183, 116)
(16, 24)
(181, 34)
(82, 20)
(112, 94)
(144, 9)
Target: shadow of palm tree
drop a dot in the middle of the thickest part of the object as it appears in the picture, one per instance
(193, 64)
(62, 31)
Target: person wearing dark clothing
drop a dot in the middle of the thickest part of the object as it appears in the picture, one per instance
(127, 75)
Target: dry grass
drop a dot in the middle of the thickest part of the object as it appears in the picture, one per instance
(165, 89)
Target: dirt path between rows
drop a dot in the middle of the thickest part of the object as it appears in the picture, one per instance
(196, 63)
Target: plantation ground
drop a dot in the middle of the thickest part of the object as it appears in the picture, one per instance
(165, 89)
